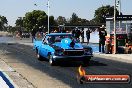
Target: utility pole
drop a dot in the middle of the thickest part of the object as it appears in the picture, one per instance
(48, 16)
(115, 28)
(119, 12)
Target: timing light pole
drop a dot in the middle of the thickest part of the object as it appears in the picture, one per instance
(115, 28)
(48, 16)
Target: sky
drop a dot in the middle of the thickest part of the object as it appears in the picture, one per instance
(12, 9)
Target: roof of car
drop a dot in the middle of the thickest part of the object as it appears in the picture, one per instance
(51, 34)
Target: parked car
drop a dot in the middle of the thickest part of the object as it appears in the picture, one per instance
(62, 47)
(25, 35)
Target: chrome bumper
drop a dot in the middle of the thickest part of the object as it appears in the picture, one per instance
(73, 57)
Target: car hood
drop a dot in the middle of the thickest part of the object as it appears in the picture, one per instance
(67, 43)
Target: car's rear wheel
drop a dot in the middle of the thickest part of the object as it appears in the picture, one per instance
(39, 57)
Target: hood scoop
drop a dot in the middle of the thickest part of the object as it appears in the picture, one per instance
(68, 42)
(72, 44)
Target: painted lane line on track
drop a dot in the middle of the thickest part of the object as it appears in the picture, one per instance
(5, 81)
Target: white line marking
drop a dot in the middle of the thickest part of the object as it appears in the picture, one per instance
(3, 83)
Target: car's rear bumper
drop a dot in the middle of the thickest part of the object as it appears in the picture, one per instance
(72, 58)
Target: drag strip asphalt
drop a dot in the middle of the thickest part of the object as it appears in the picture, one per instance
(22, 58)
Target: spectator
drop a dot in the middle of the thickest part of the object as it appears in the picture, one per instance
(88, 35)
(57, 39)
(102, 34)
(33, 34)
(82, 35)
(73, 32)
(77, 34)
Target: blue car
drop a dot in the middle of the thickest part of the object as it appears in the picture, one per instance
(62, 47)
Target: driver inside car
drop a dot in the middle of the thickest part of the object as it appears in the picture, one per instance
(58, 39)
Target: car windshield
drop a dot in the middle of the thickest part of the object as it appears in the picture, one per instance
(58, 38)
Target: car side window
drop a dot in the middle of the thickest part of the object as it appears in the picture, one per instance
(49, 39)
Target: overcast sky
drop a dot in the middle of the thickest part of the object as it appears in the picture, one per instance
(12, 9)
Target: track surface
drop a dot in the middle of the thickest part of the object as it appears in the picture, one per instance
(22, 58)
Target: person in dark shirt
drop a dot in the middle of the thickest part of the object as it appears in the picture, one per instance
(82, 35)
(88, 35)
(33, 34)
(77, 34)
(73, 32)
(102, 34)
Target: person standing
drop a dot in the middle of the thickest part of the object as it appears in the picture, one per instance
(74, 32)
(102, 34)
(33, 34)
(77, 34)
(88, 35)
(82, 35)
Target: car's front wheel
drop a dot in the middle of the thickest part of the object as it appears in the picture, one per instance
(51, 61)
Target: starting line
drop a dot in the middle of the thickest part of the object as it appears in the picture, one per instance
(5, 82)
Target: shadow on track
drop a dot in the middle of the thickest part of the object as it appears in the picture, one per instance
(96, 63)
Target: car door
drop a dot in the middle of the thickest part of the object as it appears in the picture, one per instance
(46, 48)
(43, 49)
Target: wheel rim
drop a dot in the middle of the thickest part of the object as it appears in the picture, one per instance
(50, 61)
(38, 56)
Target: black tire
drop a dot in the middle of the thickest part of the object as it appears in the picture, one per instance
(51, 61)
(39, 57)
(86, 62)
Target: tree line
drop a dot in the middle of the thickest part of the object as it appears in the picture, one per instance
(3, 23)
(37, 20)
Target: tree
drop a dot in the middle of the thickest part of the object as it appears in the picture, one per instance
(3, 23)
(35, 20)
(52, 21)
(19, 22)
(11, 29)
(83, 21)
(102, 12)
(61, 20)
(74, 19)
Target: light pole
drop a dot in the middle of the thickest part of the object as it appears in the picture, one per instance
(115, 28)
(48, 15)
(119, 2)
(120, 7)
